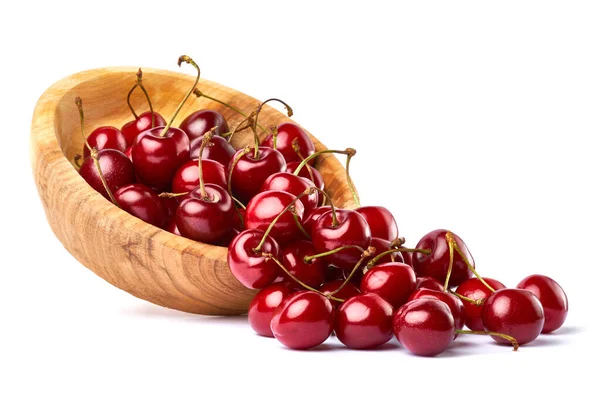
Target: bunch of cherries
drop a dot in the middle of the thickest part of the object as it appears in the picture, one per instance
(320, 269)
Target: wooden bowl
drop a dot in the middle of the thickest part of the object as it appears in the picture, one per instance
(137, 257)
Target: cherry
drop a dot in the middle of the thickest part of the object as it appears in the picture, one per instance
(169, 205)
(255, 269)
(260, 311)
(424, 327)
(249, 171)
(265, 206)
(364, 322)
(105, 137)
(142, 202)
(172, 227)
(287, 134)
(553, 298)
(312, 273)
(339, 228)
(303, 320)
(228, 237)
(128, 154)
(348, 291)
(198, 123)
(220, 150)
(381, 221)
(476, 291)
(310, 218)
(393, 281)
(295, 185)
(333, 273)
(186, 176)
(456, 306)
(514, 312)
(426, 282)
(380, 246)
(436, 263)
(314, 175)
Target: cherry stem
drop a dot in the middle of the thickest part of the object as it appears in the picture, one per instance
(188, 60)
(349, 179)
(296, 148)
(129, 101)
(347, 152)
(334, 220)
(77, 160)
(299, 225)
(170, 195)
(307, 192)
(379, 256)
(269, 256)
(274, 132)
(511, 339)
(478, 302)
(449, 239)
(308, 259)
(141, 85)
(245, 151)
(366, 253)
(239, 203)
(249, 120)
(290, 112)
(205, 140)
(466, 261)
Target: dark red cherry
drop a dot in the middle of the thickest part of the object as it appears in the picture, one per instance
(205, 217)
(295, 185)
(553, 299)
(239, 218)
(311, 273)
(186, 176)
(198, 123)
(144, 122)
(263, 304)
(393, 281)
(169, 205)
(228, 237)
(424, 327)
(456, 306)
(426, 282)
(219, 150)
(408, 258)
(436, 263)
(364, 322)
(350, 229)
(286, 134)
(116, 169)
(172, 227)
(303, 320)
(156, 158)
(105, 137)
(381, 221)
(310, 218)
(347, 292)
(249, 173)
(474, 289)
(333, 273)
(514, 312)
(315, 176)
(265, 206)
(252, 268)
(142, 202)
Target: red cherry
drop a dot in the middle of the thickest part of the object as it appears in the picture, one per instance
(553, 299)
(393, 281)
(105, 137)
(314, 176)
(228, 237)
(220, 150)
(144, 122)
(116, 169)
(424, 327)
(287, 133)
(310, 218)
(172, 227)
(238, 218)
(128, 153)
(514, 312)
(426, 282)
(252, 268)
(456, 306)
(381, 221)
(364, 322)
(198, 123)
(262, 306)
(408, 258)
(380, 245)
(474, 289)
(303, 320)
(249, 172)
(142, 202)
(349, 229)
(265, 206)
(186, 176)
(347, 292)
(311, 273)
(169, 205)
(436, 263)
(295, 185)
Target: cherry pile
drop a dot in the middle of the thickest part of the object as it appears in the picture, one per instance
(321, 270)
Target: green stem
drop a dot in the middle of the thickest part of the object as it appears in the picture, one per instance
(256, 139)
(141, 85)
(243, 152)
(188, 60)
(379, 256)
(449, 239)
(205, 140)
(366, 254)
(467, 299)
(349, 179)
(346, 152)
(129, 101)
(466, 261)
(308, 259)
(296, 148)
(299, 225)
(170, 195)
(511, 339)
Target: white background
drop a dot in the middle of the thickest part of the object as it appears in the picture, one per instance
(480, 117)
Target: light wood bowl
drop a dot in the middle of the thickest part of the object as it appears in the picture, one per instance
(147, 262)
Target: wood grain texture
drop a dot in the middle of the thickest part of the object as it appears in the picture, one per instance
(139, 258)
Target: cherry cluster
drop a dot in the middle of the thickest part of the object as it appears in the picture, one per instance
(320, 269)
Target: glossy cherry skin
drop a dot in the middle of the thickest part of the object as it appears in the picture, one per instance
(219, 150)
(286, 134)
(311, 273)
(364, 322)
(456, 306)
(249, 173)
(144, 122)
(426, 282)
(303, 320)
(265, 206)
(140, 201)
(393, 281)
(128, 153)
(408, 257)
(295, 185)
(381, 221)
(475, 290)
(239, 218)
(380, 246)
(116, 169)
(514, 312)
(263, 304)
(198, 123)
(435, 264)
(424, 327)
(186, 176)
(172, 227)
(252, 268)
(352, 229)
(315, 176)
(156, 158)
(205, 219)
(348, 291)
(313, 216)
(105, 137)
(553, 299)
